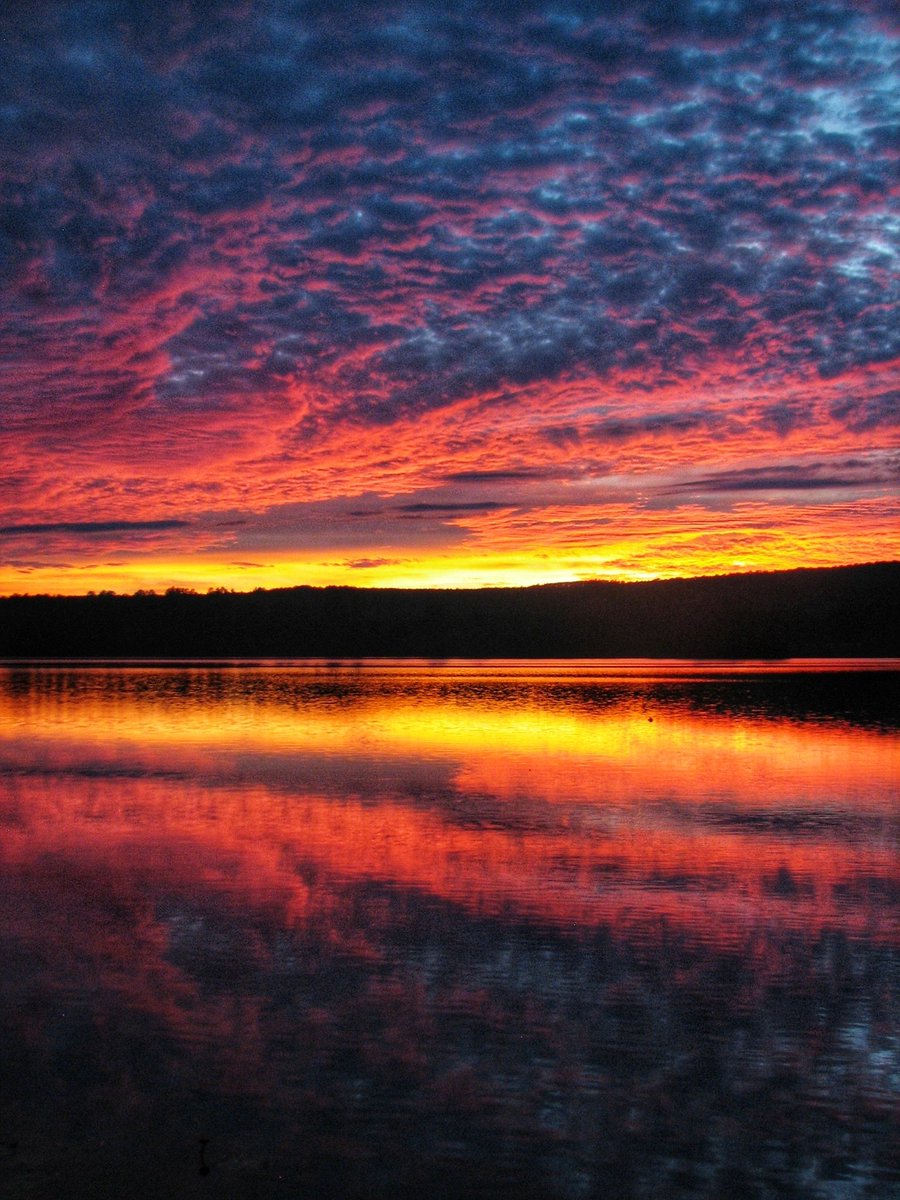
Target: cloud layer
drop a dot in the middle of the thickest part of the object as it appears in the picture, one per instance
(292, 254)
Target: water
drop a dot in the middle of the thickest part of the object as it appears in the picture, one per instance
(457, 930)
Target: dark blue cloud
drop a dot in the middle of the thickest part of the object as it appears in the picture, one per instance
(826, 475)
(89, 527)
(401, 206)
(522, 475)
(861, 414)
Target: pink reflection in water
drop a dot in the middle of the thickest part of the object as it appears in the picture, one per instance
(479, 896)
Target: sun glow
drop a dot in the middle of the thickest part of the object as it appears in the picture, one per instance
(514, 550)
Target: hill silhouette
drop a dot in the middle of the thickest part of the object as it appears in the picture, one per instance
(829, 612)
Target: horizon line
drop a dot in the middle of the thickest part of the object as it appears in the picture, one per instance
(176, 590)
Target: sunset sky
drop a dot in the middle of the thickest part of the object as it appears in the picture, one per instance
(445, 293)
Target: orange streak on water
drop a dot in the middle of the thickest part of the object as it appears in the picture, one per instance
(565, 817)
(143, 811)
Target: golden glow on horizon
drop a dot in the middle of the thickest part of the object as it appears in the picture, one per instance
(511, 550)
(372, 512)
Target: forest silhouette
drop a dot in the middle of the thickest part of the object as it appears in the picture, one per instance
(843, 611)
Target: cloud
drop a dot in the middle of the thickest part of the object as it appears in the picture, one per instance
(861, 414)
(502, 476)
(369, 564)
(423, 507)
(89, 527)
(244, 244)
(817, 476)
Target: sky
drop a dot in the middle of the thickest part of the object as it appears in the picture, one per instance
(430, 294)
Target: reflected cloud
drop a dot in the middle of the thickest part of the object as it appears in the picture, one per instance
(264, 924)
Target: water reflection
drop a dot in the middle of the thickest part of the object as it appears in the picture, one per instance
(522, 930)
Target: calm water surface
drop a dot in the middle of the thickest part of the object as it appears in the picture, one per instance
(398, 930)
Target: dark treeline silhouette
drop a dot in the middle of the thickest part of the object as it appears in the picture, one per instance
(841, 611)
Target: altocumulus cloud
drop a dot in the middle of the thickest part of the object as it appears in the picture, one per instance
(259, 226)
(544, 189)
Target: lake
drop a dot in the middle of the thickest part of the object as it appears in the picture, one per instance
(552, 930)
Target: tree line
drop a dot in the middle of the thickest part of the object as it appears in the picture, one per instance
(843, 611)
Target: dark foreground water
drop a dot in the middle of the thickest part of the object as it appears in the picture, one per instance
(535, 930)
